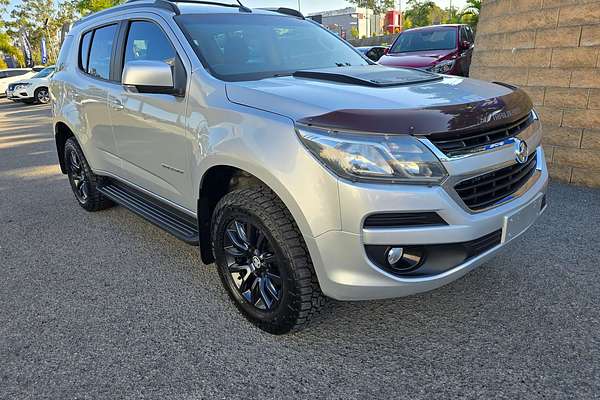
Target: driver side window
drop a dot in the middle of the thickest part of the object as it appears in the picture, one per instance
(146, 41)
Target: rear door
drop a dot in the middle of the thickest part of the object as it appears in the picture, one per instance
(149, 127)
(93, 83)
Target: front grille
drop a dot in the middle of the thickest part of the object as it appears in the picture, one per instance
(486, 190)
(460, 143)
(393, 220)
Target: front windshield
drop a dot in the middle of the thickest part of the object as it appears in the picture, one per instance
(236, 47)
(44, 73)
(425, 40)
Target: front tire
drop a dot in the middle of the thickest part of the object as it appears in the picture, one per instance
(83, 181)
(41, 95)
(263, 261)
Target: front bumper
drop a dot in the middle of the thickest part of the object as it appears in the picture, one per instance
(21, 94)
(345, 271)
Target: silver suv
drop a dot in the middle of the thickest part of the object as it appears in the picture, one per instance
(301, 168)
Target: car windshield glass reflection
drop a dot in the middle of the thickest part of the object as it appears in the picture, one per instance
(425, 40)
(239, 47)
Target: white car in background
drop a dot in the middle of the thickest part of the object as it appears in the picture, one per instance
(32, 90)
(11, 75)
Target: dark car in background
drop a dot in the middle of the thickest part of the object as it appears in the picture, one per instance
(374, 53)
(444, 49)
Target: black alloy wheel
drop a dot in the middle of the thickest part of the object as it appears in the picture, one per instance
(263, 261)
(252, 264)
(77, 177)
(83, 181)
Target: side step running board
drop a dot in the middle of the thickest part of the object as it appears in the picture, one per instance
(175, 222)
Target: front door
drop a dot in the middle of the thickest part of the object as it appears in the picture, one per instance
(149, 128)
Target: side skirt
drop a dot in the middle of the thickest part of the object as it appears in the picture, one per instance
(177, 223)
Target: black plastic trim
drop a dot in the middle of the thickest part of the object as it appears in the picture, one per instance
(403, 220)
(435, 258)
(177, 223)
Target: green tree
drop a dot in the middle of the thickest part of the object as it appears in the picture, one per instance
(420, 12)
(470, 14)
(39, 19)
(89, 6)
(377, 6)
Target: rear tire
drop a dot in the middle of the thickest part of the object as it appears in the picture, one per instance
(83, 181)
(266, 268)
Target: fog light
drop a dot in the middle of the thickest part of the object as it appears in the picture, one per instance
(394, 255)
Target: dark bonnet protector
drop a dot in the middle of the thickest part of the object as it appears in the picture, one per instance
(481, 115)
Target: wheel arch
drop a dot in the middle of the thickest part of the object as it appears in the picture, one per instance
(217, 181)
(62, 133)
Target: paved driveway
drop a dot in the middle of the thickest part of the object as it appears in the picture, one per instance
(105, 305)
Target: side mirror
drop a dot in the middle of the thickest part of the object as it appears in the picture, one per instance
(149, 76)
(466, 45)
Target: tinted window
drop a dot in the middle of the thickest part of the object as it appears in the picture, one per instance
(101, 51)
(470, 35)
(44, 73)
(2, 74)
(247, 47)
(86, 40)
(463, 35)
(146, 41)
(425, 40)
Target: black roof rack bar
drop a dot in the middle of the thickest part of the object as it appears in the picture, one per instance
(284, 10)
(164, 4)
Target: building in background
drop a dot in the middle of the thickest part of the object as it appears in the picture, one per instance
(552, 51)
(358, 22)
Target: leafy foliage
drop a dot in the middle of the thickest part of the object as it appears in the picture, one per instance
(88, 6)
(377, 6)
(470, 14)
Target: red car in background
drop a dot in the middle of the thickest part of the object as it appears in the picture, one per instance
(444, 49)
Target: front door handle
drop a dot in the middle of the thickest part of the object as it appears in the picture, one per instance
(116, 104)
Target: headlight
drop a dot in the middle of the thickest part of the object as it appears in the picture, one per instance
(21, 86)
(443, 67)
(373, 157)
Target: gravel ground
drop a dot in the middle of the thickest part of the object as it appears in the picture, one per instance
(105, 305)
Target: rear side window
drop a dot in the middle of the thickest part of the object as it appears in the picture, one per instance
(146, 41)
(84, 52)
(100, 53)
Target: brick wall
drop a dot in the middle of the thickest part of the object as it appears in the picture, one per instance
(550, 48)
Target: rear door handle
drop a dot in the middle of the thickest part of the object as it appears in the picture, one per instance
(116, 104)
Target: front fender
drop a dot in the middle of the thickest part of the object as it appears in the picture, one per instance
(266, 146)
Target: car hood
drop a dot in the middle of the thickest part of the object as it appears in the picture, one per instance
(421, 59)
(443, 104)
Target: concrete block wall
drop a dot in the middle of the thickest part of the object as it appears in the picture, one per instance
(550, 48)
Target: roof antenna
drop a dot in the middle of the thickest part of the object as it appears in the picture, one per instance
(243, 7)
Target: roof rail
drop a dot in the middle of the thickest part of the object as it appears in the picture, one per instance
(164, 4)
(284, 10)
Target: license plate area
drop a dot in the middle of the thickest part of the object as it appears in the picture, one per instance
(517, 222)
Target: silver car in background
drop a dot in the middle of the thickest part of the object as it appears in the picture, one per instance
(303, 170)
